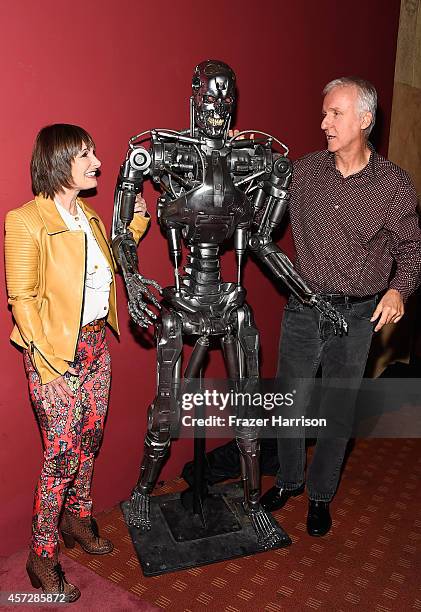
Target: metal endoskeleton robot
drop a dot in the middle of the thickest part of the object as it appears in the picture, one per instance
(213, 187)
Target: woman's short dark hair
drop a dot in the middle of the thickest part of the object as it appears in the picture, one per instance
(55, 148)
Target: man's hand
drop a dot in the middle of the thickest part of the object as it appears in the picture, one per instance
(58, 387)
(390, 309)
(140, 205)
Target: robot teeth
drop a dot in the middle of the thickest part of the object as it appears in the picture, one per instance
(215, 122)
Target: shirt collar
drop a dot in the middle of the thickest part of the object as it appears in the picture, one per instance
(372, 162)
(369, 169)
(64, 211)
(51, 217)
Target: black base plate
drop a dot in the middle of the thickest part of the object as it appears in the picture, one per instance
(186, 527)
(178, 540)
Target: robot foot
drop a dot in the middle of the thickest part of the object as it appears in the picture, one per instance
(269, 533)
(139, 511)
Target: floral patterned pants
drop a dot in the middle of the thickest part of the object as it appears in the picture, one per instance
(71, 433)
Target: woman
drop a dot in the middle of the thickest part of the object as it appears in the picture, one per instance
(61, 285)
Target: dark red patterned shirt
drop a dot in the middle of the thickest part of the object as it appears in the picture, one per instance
(349, 231)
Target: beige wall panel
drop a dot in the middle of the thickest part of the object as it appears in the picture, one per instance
(394, 342)
(407, 61)
(405, 133)
(416, 82)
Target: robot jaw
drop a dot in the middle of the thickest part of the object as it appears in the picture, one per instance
(212, 125)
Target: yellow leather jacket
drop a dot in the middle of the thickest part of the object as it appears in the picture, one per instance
(45, 273)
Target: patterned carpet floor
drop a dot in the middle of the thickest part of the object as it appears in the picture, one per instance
(369, 561)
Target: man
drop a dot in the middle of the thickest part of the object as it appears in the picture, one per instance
(353, 213)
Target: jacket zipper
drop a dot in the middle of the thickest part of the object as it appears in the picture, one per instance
(34, 348)
(83, 294)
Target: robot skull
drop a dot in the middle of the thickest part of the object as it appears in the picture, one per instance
(213, 86)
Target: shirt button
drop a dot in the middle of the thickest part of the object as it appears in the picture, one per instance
(76, 218)
(96, 267)
(105, 308)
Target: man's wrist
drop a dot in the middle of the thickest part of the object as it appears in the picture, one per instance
(398, 294)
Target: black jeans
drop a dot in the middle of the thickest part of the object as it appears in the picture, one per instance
(308, 341)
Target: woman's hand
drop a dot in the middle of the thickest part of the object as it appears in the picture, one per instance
(140, 205)
(58, 387)
(232, 133)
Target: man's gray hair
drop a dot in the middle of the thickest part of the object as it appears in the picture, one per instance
(367, 96)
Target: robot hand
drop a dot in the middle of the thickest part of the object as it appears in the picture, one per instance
(340, 326)
(137, 289)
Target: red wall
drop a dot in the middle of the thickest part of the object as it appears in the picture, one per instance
(117, 68)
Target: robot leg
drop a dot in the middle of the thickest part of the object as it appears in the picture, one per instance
(193, 497)
(268, 532)
(248, 336)
(231, 356)
(163, 418)
(197, 358)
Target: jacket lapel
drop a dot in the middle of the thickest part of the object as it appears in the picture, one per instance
(50, 216)
(54, 223)
(89, 212)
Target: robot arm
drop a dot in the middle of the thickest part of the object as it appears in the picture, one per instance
(271, 199)
(129, 184)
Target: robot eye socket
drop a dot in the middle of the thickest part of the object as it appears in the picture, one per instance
(196, 82)
(210, 98)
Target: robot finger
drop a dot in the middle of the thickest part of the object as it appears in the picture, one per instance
(142, 285)
(145, 312)
(153, 283)
(138, 321)
(341, 326)
(138, 317)
(152, 298)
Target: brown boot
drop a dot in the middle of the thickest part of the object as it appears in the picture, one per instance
(47, 573)
(85, 531)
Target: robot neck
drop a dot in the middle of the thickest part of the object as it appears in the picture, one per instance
(212, 143)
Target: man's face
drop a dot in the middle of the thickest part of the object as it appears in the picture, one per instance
(343, 122)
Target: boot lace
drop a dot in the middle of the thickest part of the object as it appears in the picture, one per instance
(58, 572)
(94, 527)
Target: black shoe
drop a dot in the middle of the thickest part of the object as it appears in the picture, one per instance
(276, 498)
(318, 518)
